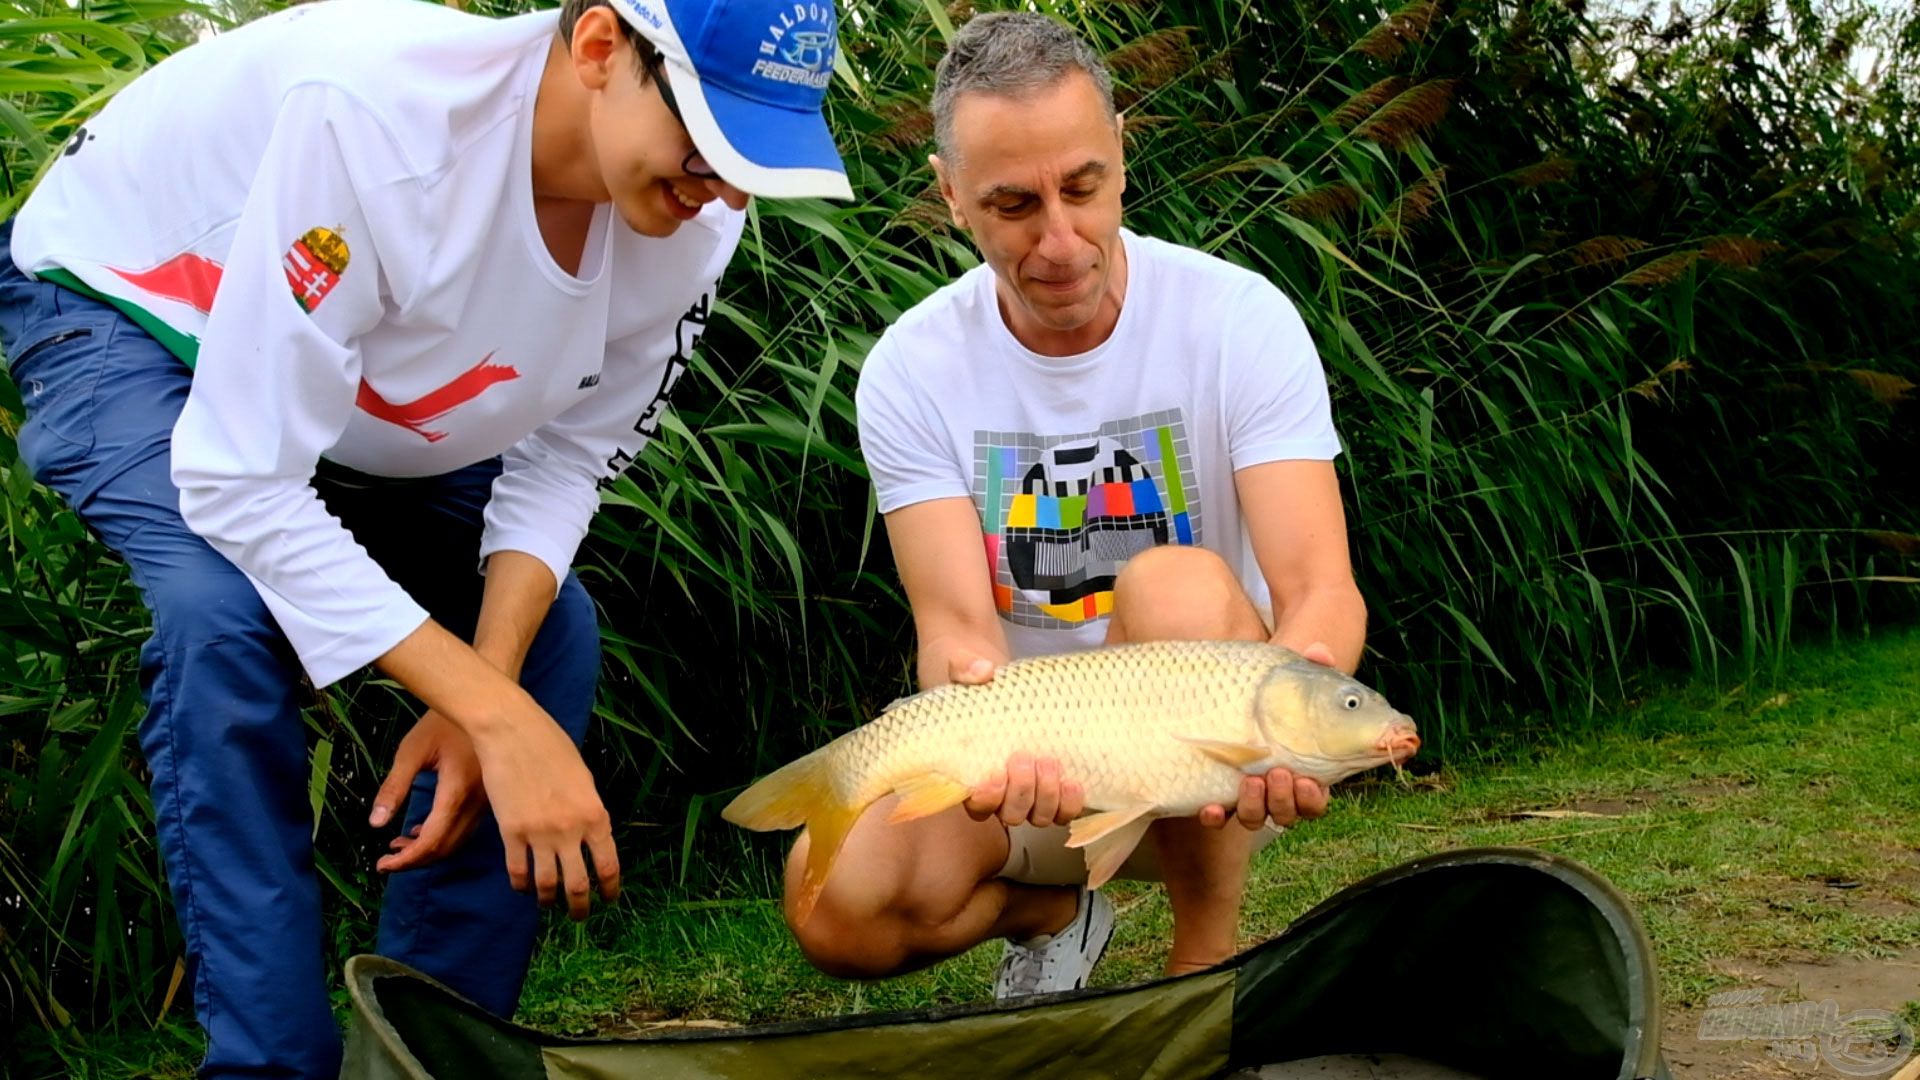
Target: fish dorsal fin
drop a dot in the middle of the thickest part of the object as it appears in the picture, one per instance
(926, 795)
(899, 701)
(908, 699)
(1108, 838)
(1238, 755)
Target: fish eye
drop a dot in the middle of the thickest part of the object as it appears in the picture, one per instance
(1352, 702)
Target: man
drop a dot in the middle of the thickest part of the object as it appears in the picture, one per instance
(333, 326)
(1094, 437)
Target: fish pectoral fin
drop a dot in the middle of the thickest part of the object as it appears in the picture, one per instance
(1238, 755)
(1108, 838)
(925, 795)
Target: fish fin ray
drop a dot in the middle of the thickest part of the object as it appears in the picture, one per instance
(794, 795)
(1107, 852)
(925, 795)
(827, 830)
(1238, 755)
(784, 798)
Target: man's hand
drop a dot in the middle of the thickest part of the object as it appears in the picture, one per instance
(1030, 791)
(1279, 795)
(969, 668)
(458, 798)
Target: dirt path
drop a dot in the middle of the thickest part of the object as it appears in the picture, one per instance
(1754, 1035)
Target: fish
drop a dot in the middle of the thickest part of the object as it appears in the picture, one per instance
(1148, 729)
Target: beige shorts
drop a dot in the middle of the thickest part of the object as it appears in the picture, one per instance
(1040, 856)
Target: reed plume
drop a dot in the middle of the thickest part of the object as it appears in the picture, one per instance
(1391, 37)
(1409, 115)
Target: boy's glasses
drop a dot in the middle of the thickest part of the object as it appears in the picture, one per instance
(694, 165)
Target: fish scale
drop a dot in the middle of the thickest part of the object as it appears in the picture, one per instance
(1109, 716)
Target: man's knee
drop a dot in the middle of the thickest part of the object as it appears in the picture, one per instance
(846, 935)
(893, 893)
(1179, 592)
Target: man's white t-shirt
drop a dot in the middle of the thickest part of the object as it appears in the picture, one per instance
(328, 213)
(1077, 463)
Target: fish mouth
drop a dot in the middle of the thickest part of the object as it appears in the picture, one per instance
(1400, 741)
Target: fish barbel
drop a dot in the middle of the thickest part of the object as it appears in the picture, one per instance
(1149, 730)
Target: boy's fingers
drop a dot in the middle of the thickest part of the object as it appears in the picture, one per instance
(516, 860)
(606, 865)
(579, 891)
(393, 792)
(546, 874)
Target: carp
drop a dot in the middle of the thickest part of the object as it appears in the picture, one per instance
(1148, 729)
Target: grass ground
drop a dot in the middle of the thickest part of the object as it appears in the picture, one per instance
(1767, 827)
(1767, 822)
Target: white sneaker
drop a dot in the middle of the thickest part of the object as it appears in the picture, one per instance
(1060, 961)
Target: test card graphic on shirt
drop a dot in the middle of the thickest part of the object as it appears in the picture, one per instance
(1063, 513)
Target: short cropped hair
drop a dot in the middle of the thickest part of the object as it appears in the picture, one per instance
(1012, 54)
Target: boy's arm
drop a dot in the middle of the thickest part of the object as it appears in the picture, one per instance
(275, 383)
(541, 507)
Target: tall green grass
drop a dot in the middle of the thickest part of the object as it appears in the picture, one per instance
(1619, 328)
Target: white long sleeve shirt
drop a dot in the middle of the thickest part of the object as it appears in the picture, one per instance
(328, 213)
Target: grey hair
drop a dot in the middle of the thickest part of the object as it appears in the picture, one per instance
(1011, 54)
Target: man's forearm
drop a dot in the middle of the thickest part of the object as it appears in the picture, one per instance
(1336, 615)
(519, 590)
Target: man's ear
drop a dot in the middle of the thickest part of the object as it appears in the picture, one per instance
(597, 46)
(954, 209)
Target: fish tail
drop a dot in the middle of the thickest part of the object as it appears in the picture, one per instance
(797, 794)
(784, 798)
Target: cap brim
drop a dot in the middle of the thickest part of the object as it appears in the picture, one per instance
(760, 149)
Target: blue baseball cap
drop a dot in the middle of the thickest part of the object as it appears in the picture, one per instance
(750, 78)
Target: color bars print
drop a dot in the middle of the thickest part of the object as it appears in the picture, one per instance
(1108, 518)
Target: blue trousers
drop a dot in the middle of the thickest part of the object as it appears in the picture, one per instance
(222, 733)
